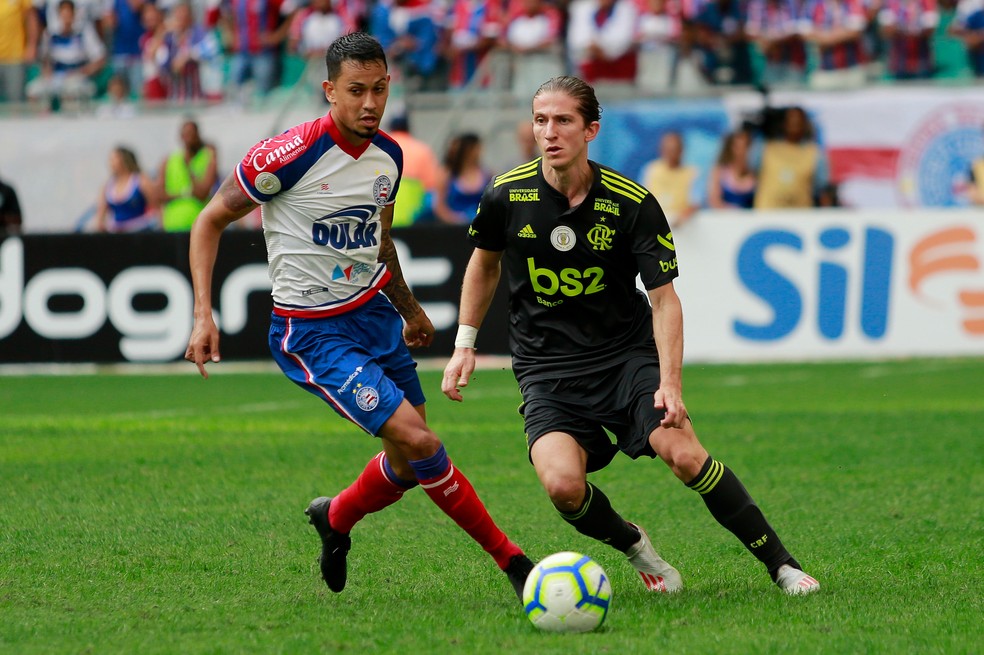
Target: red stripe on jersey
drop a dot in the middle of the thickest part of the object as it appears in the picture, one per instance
(352, 150)
(335, 311)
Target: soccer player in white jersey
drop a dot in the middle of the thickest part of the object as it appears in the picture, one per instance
(327, 189)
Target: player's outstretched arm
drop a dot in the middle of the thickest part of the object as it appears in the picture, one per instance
(668, 333)
(228, 205)
(418, 330)
(477, 290)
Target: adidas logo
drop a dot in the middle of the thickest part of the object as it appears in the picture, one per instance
(527, 232)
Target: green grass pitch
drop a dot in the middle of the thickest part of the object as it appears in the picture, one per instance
(163, 514)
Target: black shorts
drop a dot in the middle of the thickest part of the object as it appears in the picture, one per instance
(618, 399)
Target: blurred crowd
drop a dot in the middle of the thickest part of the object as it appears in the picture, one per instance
(776, 165)
(133, 199)
(54, 52)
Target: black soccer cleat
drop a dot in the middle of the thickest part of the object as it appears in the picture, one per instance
(518, 570)
(334, 545)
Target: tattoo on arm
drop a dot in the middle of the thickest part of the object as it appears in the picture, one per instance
(396, 289)
(233, 197)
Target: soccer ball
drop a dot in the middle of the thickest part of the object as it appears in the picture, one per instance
(567, 592)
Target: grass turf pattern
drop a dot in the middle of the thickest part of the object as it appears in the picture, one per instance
(163, 514)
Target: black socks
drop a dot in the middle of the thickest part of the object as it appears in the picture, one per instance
(732, 506)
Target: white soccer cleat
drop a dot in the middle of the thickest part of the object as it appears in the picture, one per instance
(653, 569)
(795, 582)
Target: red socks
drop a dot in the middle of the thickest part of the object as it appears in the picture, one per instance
(453, 493)
(378, 487)
(375, 489)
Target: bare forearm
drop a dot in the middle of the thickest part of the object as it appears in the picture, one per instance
(396, 289)
(205, 235)
(668, 333)
(477, 291)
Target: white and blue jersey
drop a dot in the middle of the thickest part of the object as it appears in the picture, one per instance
(332, 332)
(321, 198)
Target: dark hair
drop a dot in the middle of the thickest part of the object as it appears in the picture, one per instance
(399, 123)
(579, 90)
(129, 159)
(727, 154)
(809, 133)
(70, 3)
(358, 47)
(458, 149)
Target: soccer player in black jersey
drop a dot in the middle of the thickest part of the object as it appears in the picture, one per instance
(589, 352)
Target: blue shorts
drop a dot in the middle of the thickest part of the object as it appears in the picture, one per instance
(356, 362)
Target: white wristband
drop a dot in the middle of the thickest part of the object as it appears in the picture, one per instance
(466, 336)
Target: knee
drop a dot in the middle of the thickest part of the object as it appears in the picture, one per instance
(685, 459)
(687, 466)
(566, 492)
(416, 443)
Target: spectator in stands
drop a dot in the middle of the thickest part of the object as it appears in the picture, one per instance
(968, 26)
(793, 169)
(187, 179)
(673, 183)
(872, 39)
(117, 104)
(532, 35)
(70, 59)
(11, 219)
(908, 27)
(153, 54)
(774, 27)
(410, 33)
(126, 203)
(601, 39)
(190, 48)
(731, 184)
(462, 180)
(419, 181)
(657, 38)
(87, 12)
(689, 70)
(122, 28)
(311, 32)
(254, 32)
(314, 27)
(19, 33)
(721, 37)
(835, 28)
(474, 27)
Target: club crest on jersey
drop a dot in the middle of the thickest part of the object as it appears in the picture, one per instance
(367, 398)
(268, 183)
(562, 238)
(381, 190)
(600, 237)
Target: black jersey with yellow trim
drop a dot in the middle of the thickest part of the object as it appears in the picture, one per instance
(571, 271)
